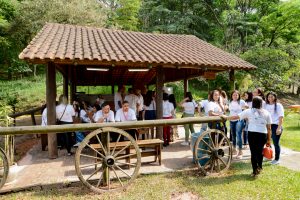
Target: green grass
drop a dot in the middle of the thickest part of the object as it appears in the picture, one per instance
(291, 132)
(235, 184)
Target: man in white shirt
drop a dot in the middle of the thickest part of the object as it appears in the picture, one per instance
(104, 115)
(126, 114)
(140, 104)
(118, 98)
(132, 100)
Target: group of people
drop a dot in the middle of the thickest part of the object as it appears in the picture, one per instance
(256, 117)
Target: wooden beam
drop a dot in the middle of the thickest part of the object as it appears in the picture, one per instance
(185, 86)
(160, 78)
(22, 130)
(231, 80)
(51, 113)
(66, 85)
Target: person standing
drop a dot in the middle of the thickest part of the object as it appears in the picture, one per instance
(118, 98)
(189, 106)
(168, 111)
(149, 109)
(65, 114)
(174, 128)
(132, 100)
(140, 104)
(277, 113)
(236, 106)
(259, 131)
(215, 108)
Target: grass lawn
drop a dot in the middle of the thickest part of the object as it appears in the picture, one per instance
(235, 184)
(291, 133)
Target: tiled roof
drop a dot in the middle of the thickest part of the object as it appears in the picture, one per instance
(67, 44)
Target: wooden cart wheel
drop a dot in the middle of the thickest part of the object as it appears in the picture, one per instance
(107, 159)
(212, 152)
(4, 168)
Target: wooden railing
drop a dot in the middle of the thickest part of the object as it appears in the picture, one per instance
(30, 112)
(19, 130)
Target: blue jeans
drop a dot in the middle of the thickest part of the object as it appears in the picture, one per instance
(236, 128)
(245, 132)
(276, 139)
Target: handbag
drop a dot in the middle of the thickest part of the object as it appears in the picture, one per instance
(58, 120)
(268, 152)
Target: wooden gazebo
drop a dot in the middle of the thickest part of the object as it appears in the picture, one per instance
(88, 56)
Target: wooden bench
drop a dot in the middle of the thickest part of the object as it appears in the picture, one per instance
(154, 144)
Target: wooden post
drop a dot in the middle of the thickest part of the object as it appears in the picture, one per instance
(112, 89)
(231, 80)
(160, 76)
(51, 113)
(185, 86)
(66, 86)
(73, 85)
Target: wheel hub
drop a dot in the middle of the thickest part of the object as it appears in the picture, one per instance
(109, 161)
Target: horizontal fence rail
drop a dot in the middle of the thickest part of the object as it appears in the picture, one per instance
(19, 130)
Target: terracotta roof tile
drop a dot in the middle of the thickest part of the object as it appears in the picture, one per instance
(59, 42)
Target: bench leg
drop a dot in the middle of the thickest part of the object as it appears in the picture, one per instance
(159, 154)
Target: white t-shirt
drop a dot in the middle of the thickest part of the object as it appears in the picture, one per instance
(257, 119)
(249, 104)
(99, 114)
(132, 100)
(44, 117)
(118, 97)
(189, 107)
(167, 109)
(204, 104)
(152, 106)
(236, 107)
(84, 117)
(66, 116)
(140, 102)
(275, 115)
(214, 107)
(122, 117)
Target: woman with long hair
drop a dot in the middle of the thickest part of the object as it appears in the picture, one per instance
(168, 111)
(236, 106)
(189, 106)
(149, 108)
(216, 108)
(174, 129)
(259, 131)
(277, 113)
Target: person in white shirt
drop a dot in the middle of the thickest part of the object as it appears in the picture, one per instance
(248, 96)
(65, 114)
(259, 131)
(118, 98)
(140, 104)
(105, 114)
(132, 100)
(44, 117)
(149, 110)
(215, 108)
(277, 113)
(236, 106)
(189, 106)
(126, 114)
(204, 105)
(168, 111)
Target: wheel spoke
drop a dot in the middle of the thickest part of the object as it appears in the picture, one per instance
(220, 143)
(98, 184)
(207, 144)
(122, 170)
(202, 157)
(113, 151)
(207, 163)
(108, 178)
(108, 143)
(125, 156)
(212, 166)
(200, 149)
(211, 140)
(117, 176)
(95, 172)
(131, 164)
(222, 160)
(84, 155)
(217, 139)
(218, 165)
(96, 151)
(123, 149)
(101, 145)
(88, 165)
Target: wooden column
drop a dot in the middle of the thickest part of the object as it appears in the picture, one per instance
(113, 89)
(185, 86)
(66, 86)
(72, 82)
(51, 114)
(231, 80)
(160, 78)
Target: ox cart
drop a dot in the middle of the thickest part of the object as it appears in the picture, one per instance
(109, 158)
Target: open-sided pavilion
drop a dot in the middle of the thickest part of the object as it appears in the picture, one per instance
(88, 56)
